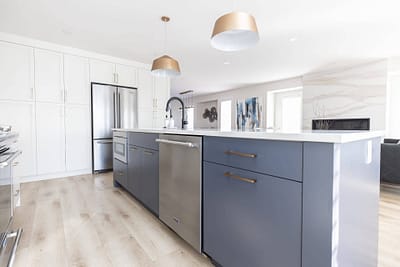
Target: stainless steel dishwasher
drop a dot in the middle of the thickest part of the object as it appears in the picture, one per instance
(180, 189)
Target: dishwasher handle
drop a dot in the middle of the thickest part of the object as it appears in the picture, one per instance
(171, 142)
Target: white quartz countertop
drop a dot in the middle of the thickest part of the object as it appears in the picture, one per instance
(303, 136)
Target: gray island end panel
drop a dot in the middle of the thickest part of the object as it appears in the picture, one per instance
(340, 204)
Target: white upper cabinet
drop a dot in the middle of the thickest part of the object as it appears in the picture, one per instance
(110, 73)
(126, 75)
(50, 138)
(161, 92)
(77, 137)
(102, 71)
(145, 89)
(21, 116)
(76, 80)
(49, 78)
(16, 72)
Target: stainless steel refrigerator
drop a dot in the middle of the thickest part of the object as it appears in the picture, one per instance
(112, 107)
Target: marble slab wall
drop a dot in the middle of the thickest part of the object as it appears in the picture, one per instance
(353, 92)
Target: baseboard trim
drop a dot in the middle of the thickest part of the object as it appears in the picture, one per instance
(43, 177)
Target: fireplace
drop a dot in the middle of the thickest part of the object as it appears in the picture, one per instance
(362, 124)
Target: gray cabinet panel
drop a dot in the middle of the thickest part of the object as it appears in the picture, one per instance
(149, 179)
(251, 224)
(146, 140)
(134, 170)
(283, 159)
(120, 172)
(143, 176)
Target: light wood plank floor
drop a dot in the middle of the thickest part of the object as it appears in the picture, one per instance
(389, 226)
(85, 221)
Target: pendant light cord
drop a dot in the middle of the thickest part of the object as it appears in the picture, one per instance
(165, 37)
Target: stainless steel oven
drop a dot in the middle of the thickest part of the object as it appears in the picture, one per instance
(120, 146)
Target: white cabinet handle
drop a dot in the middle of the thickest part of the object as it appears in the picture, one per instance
(32, 93)
(116, 75)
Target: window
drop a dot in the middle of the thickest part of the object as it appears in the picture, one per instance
(285, 110)
(226, 115)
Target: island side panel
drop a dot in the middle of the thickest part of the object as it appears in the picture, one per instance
(359, 203)
(318, 178)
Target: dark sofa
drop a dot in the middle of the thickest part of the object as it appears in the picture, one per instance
(390, 161)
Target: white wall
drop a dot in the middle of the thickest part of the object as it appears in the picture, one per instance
(349, 92)
(259, 90)
(393, 99)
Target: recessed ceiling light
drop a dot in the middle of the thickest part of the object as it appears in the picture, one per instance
(226, 63)
(293, 39)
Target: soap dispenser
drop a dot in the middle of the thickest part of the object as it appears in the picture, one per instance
(171, 121)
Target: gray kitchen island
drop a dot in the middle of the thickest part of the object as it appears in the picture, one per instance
(271, 199)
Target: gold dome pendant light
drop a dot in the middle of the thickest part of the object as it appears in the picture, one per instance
(165, 65)
(235, 31)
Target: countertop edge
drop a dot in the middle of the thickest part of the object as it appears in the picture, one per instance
(339, 137)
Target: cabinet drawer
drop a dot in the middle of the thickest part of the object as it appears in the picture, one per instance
(278, 158)
(120, 172)
(146, 140)
(250, 224)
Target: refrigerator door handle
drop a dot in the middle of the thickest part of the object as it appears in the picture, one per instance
(114, 113)
(119, 110)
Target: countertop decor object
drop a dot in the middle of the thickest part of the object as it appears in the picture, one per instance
(165, 65)
(235, 31)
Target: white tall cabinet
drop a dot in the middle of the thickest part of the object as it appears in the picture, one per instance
(76, 80)
(49, 80)
(77, 137)
(21, 115)
(16, 72)
(50, 131)
(153, 93)
(45, 96)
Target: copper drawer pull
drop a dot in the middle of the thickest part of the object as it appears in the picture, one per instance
(247, 180)
(240, 154)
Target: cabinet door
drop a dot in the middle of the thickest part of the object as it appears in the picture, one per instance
(50, 138)
(21, 116)
(145, 118)
(16, 72)
(102, 72)
(134, 170)
(145, 89)
(159, 119)
(49, 80)
(126, 75)
(251, 224)
(76, 79)
(149, 179)
(120, 172)
(161, 92)
(77, 137)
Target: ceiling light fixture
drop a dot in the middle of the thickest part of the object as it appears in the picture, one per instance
(235, 31)
(165, 65)
(293, 39)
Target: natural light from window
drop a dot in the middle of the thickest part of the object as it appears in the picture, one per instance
(226, 115)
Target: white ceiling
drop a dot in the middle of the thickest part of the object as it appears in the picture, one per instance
(326, 31)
